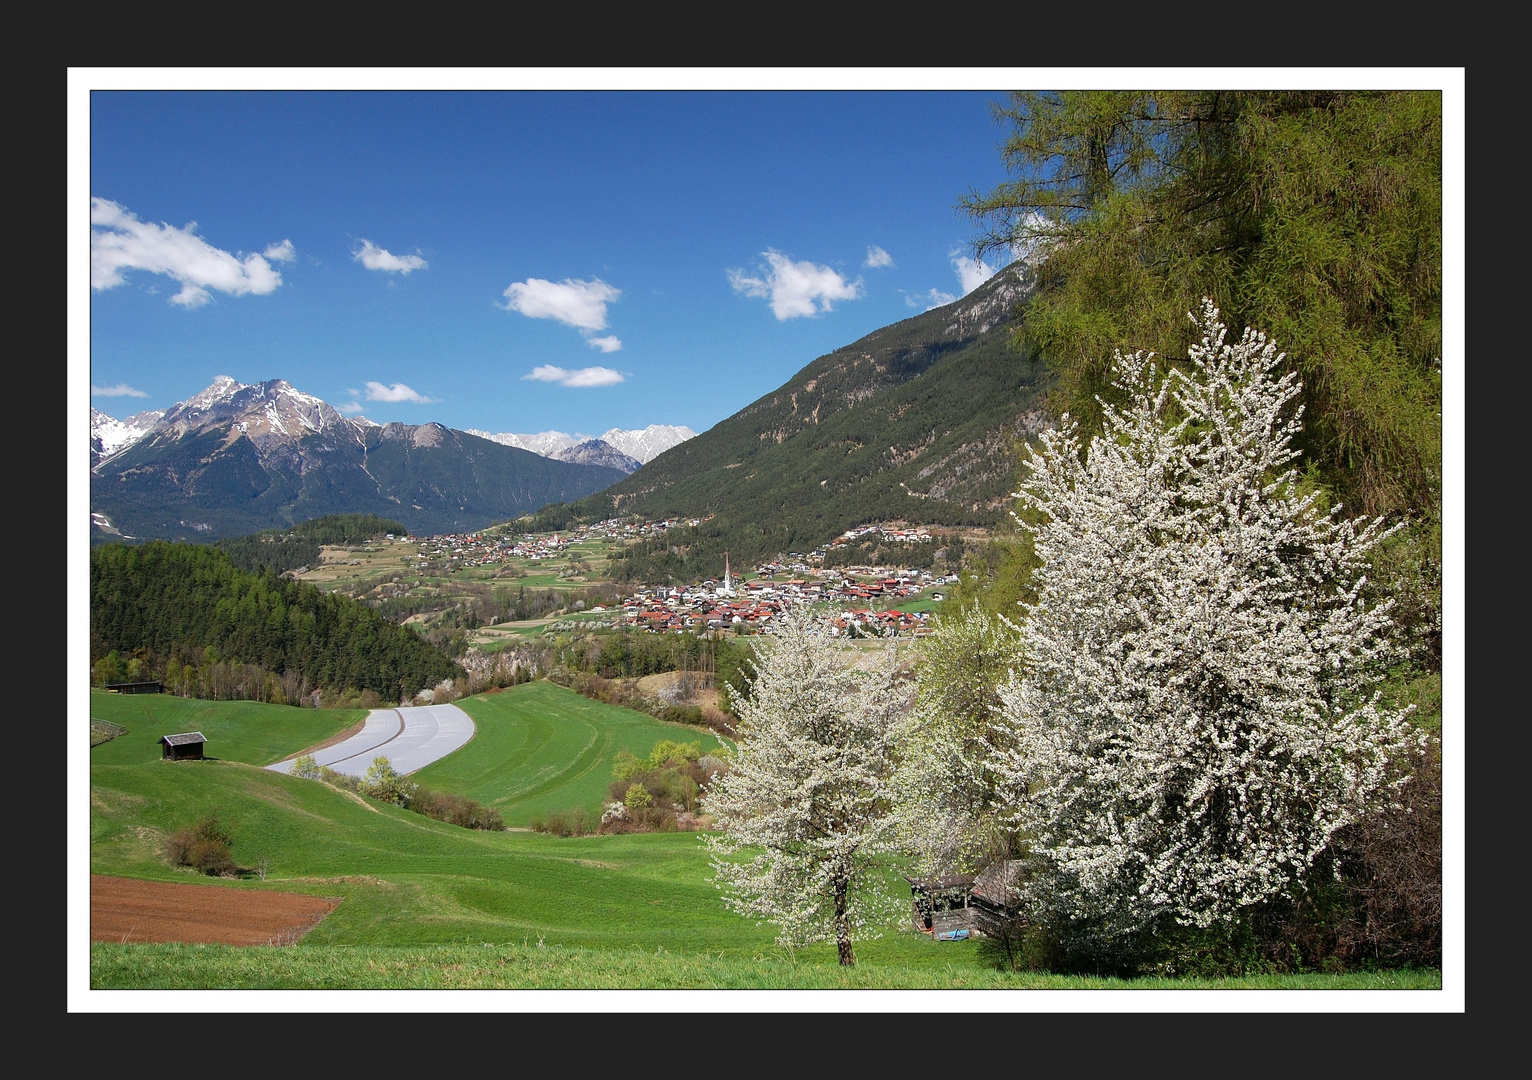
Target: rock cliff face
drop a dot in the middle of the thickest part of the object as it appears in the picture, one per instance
(238, 458)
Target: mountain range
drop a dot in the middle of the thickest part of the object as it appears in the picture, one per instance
(236, 459)
(639, 446)
(915, 422)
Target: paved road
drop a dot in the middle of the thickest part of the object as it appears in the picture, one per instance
(411, 738)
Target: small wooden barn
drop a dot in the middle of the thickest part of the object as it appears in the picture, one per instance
(959, 906)
(152, 686)
(184, 747)
(940, 906)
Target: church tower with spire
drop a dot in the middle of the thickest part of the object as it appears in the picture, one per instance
(727, 588)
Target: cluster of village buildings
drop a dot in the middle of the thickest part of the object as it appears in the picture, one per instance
(729, 605)
(487, 549)
(851, 592)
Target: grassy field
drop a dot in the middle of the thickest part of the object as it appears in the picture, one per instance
(529, 966)
(425, 904)
(540, 747)
(247, 731)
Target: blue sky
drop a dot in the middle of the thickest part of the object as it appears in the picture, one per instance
(518, 260)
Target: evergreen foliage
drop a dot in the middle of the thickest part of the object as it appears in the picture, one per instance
(280, 550)
(1316, 215)
(170, 599)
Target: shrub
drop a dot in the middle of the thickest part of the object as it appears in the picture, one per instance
(204, 846)
(386, 785)
(574, 822)
(455, 810)
(637, 797)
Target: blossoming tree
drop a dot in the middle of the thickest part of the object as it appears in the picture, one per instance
(1194, 718)
(804, 807)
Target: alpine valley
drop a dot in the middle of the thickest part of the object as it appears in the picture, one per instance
(912, 422)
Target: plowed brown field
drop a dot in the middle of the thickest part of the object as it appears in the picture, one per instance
(127, 910)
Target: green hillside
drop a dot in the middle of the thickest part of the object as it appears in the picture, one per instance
(280, 550)
(407, 879)
(911, 422)
(425, 904)
(250, 732)
(540, 748)
(174, 604)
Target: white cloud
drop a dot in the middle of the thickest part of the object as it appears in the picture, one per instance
(283, 252)
(610, 343)
(580, 304)
(794, 287)
(350, 408)
(971, 272)
(120, 390)
(120, 241)
(376, 391)
(933, 299)
(591, 376)
(376, 258)
(877, 257)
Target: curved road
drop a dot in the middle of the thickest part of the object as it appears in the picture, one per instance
(411, 738)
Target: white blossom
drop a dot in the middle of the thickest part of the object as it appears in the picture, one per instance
(1192, 721)
(950, 797)
(804, 807)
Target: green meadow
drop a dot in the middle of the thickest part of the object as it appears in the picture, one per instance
(425, 904)
(540, 747)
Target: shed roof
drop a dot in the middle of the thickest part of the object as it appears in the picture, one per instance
(184, 739)
(928, 885)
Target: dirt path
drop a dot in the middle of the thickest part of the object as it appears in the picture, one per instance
(128, 910)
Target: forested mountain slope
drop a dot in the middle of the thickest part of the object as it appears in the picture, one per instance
(180, 603)
(912, 422)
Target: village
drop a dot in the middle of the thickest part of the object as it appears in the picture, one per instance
(855, 598)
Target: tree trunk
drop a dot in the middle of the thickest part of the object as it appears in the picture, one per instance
(842, 926)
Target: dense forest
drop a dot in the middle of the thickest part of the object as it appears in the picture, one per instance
(280, 550)
(173, 606)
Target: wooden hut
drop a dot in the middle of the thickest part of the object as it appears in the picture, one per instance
(951, 908)
(995, 899)
(940, 906)
(151, 686)
(183, 747)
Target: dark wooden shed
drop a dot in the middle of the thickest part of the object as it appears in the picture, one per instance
(150, 687)
(963, 905)
(184, 747)
(940, 906)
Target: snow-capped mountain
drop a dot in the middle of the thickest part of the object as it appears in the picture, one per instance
(649, 443)
(239, 458)
(643, 445)
(546, 443)
(597, 452)
(109, 435)
(263, 411)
